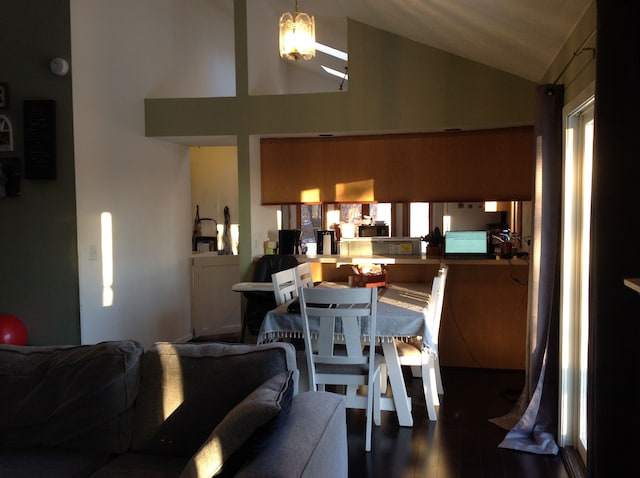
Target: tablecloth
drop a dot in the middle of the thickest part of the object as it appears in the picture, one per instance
(402, 314)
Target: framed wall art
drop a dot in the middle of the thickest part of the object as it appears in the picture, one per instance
(40, 139)
(6, 134)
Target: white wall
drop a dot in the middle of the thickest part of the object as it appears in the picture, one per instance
(123, 52)
(468, 215)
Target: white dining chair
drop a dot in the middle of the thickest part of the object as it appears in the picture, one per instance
(285, 286)
(424, 361)
(340, 317)
(303, 275)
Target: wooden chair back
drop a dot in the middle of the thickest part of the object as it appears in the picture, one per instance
(437, 298)
(285, 286)
(303, 275)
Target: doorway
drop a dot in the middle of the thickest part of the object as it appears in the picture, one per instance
(214, 185)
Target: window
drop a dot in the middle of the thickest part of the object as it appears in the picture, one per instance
(575, 277)
(381, 212)
(351, 213)
(414, 219)
(310, 222)
(358, 214)
(419, 221)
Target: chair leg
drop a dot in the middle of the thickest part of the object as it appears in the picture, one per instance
(243, 331)
(384, 378)
(367, 444)
(416, 371)
(429, 386)
(373, 407)
(246, 337)
(377, 392)
(436, 366)
(435, 381)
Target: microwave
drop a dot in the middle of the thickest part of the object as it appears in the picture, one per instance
(373, 231)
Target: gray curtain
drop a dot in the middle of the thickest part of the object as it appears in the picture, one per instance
(532, 423)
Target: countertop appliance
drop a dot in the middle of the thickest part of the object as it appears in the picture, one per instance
(289, 241)
(377, 230)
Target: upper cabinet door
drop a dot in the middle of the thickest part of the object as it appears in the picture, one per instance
(465, 166)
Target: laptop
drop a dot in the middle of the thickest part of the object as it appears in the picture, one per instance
(467, 245)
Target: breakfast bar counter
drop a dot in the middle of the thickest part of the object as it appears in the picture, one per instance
(408, 259)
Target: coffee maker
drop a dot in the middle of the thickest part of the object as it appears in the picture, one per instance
(289, 241)
(327, 239)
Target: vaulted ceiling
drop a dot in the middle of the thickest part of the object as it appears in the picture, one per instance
(521, 37)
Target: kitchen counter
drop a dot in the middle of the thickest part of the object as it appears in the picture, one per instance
(409, 259)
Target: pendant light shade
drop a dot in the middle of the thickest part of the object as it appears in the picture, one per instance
(297, 36)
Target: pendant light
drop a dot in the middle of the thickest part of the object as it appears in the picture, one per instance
(297, 36)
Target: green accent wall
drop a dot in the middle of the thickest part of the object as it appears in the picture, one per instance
(39, 259)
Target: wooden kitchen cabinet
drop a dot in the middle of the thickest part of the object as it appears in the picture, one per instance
(215, 308)
(492, 164)
(484, 318)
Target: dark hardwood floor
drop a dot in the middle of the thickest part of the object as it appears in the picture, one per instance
(461, 444)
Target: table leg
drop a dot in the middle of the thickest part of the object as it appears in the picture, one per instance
(400, 396)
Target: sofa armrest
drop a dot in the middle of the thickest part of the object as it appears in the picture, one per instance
(311, 443)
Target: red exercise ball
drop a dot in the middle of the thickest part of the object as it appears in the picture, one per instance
(12, 330)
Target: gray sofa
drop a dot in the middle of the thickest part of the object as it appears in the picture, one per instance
(177, 410)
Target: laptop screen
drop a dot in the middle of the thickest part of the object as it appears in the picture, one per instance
(463, 244)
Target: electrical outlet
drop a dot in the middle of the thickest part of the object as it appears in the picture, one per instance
(93, 252)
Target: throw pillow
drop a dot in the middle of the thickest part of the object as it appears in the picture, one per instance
(255, 415)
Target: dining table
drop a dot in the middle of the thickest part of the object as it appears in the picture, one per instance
(401, 315)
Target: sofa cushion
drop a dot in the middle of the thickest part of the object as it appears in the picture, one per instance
(36, 461)
(136, 465)
(187, 389)
(70, 396)
(244, 430)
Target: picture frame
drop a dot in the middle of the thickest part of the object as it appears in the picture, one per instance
(4, 95)
(39, 133)
(6, 134)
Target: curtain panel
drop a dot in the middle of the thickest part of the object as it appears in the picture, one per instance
(533, 421)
